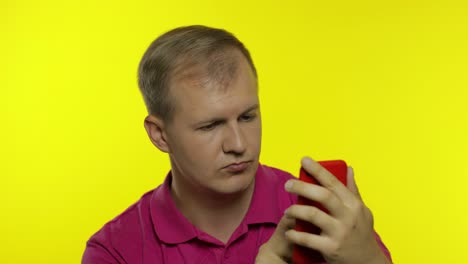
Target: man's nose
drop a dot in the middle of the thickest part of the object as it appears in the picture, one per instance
(234, 141)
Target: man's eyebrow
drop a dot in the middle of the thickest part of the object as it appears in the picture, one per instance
(219, 119)
(253, 107)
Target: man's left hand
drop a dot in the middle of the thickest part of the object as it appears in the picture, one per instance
(347, 235)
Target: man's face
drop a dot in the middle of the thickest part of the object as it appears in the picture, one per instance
(214, 137)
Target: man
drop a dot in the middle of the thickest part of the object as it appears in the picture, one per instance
(218, 204)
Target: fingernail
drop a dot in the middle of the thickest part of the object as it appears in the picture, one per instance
(306, 161)
(288, 185)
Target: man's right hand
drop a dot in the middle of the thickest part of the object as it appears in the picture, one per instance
(277, 250)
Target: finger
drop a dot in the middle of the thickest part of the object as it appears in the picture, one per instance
(314, 216)
(277, 249)
(318, 194)
(269, 260)
(326, 179)
(285, 224)
(307, 240)
(278, 242)
(352, 183)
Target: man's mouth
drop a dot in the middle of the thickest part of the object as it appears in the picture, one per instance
(238, 167)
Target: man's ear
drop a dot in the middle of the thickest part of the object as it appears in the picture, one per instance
(155, 128)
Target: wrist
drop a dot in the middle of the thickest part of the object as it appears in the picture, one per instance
(379, 258)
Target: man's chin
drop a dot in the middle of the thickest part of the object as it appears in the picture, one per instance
(237, 183)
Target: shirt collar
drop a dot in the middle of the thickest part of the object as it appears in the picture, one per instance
(264, 207)
(172, 227)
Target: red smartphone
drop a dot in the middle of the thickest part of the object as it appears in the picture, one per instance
(303, 255)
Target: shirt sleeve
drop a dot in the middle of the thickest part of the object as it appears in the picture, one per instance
(96, 253)
(99, 250)
(383, 247)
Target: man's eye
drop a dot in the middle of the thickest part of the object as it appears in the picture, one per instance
(247, 118)
(209, 127)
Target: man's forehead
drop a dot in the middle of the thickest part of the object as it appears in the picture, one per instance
(218, 68)
(201, 98)
(206, 93)
(208, 78)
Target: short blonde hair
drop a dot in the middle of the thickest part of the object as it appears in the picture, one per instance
(180, 49)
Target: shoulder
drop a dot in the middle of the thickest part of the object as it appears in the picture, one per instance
(121, 239)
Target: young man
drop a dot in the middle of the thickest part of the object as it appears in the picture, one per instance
(218, 204)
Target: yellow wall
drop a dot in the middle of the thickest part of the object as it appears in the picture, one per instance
(382, 84)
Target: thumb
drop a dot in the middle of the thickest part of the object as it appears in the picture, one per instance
(277, 249)
(278, 242)
(352, 182)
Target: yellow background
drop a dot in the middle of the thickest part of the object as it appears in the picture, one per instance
(382, 84)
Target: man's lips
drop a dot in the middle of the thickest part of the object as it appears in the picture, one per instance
(237, 167)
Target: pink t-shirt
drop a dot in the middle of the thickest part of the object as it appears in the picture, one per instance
(154, 231)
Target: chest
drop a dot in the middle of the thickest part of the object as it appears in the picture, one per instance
(242, 250)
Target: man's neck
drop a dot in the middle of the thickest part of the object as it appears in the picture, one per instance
(216, 214)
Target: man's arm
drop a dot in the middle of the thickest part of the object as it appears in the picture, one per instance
(347, 235)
